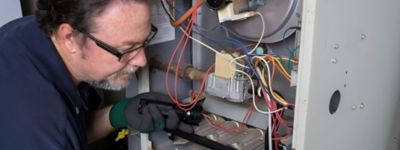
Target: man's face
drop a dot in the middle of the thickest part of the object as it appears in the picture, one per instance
(123, 26)
(116, 81)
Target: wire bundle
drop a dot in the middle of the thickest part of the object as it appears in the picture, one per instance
(262, 67)
(194, 97)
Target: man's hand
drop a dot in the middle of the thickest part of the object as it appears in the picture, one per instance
(145, 112)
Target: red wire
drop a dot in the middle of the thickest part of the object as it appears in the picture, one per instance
(232, 130)
(168, 69)
(174, 98)
(181, 54)
(197, 98)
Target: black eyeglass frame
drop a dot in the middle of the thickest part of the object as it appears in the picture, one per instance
(114, 51)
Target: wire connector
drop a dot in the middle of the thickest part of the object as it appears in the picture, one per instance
(228, 14)
(122, 134)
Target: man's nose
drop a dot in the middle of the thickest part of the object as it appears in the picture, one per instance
(139, 59)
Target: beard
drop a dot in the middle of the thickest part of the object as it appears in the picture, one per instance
(116, 81)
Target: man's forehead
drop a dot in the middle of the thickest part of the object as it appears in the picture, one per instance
(123, 14)
(123, 25)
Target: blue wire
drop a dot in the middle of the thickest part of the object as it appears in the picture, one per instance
(231, 41)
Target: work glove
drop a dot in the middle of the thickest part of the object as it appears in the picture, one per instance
(147, 112)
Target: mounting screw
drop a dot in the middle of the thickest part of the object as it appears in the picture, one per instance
(334, 60)
(354, 107)
(363, 36)
(336, 46)
(362, 106)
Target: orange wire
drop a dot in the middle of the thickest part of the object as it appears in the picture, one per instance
(188, 13)
(269, 57)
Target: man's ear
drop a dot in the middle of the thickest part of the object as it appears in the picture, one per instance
(65, 34)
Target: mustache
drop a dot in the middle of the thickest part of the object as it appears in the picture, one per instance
(128, 71)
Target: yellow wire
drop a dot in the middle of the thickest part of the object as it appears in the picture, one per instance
(275, 95)
(281, 99)
(281, 66)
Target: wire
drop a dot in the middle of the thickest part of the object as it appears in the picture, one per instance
(187, 14)
(269, 84)
(174, 98)
(192, 104)
(198, 41)
(262, 32)
(270, 131)
(234, 130)
(197, 27)
(253, 95)
(260, 39)
(190, 26)
(210, 48)
(290, 50)
(280, 66)
(266, 84)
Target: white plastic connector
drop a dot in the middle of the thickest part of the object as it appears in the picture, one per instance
(227, 14)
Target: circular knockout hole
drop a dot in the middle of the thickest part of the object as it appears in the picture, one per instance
(334, 103)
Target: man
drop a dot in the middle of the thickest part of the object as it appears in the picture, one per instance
(47, 62)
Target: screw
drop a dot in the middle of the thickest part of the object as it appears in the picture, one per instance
(345, 85)
(336, 46)
(354, 107)
(362, 106)
(363, 36)
(334, 60)
(346, 72)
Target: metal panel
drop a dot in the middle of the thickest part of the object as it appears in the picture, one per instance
(351, 46)
(235, 111)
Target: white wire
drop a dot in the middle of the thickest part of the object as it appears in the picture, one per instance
(269, 77)
(261, 37)
(270, 132)
(212, 49)
(269, 116)
(254, 95)
(262, 33)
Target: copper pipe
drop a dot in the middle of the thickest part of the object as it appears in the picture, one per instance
(188, 72)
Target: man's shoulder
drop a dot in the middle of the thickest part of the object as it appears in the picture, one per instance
(18, 24)
(19, 34)
(18, 27)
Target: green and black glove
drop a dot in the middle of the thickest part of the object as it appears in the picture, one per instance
(145, 112)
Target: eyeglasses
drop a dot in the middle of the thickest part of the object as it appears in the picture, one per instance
(114, 51)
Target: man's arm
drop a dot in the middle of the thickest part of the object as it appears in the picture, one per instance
(99, 124)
